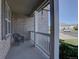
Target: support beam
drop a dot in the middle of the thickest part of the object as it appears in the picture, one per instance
(1, 17)
(34, 31)
(54, 40)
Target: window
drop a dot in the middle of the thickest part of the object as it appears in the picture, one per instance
(6, 22)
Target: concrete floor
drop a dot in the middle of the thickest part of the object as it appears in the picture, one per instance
(25, 51)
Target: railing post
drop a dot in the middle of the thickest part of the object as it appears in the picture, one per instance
(29, 33)
(54, 39)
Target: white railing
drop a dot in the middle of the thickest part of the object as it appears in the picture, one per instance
(42, 40)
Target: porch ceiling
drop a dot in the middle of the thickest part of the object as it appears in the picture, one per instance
(24, 7)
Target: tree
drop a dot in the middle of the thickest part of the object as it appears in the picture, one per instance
(75, 27)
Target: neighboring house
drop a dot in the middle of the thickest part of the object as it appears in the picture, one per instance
(67, 27)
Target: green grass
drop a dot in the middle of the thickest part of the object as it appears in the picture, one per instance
(72, 41)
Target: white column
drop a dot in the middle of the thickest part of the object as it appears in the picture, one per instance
(54, 41)
(36, 21)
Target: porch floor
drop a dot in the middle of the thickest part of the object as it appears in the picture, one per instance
(25, 50)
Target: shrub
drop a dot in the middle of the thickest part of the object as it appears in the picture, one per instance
(68, 50)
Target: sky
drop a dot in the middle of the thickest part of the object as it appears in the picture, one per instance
(68, 10)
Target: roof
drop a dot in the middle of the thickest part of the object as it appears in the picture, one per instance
(24, 7)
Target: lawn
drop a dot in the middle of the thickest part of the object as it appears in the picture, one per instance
(72, 41)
